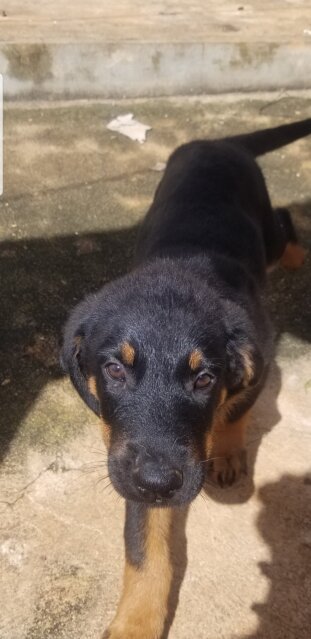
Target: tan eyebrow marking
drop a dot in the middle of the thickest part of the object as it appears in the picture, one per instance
(127, 353)
(195, 359)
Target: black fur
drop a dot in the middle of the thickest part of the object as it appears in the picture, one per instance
(135, 533)
(200, 269)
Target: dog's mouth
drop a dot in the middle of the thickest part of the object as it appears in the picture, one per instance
(157, 482)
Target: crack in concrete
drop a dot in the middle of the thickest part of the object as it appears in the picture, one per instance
(80, 185)
(54, 466)
(65, 520)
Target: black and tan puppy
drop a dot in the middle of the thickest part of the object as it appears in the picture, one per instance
(173, 355)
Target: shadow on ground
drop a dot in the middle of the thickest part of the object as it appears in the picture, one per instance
(43, 279)
(284, 524)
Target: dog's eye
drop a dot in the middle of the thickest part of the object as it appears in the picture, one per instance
(115, 371)
(202, 381)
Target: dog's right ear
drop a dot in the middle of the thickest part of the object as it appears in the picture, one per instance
(73, 354)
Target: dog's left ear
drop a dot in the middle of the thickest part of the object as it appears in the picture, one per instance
(245, 364)
(73, 354)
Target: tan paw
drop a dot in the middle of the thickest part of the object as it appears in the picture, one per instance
(224, 471)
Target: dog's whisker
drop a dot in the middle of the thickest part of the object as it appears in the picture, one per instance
(105, 478)
(210, 459)
(93, 469)
(98, 462)
(97, 451)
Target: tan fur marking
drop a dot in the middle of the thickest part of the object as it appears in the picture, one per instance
(225, 444)
(91, 382)
(248, 367)
(223, 397)
(105, 432)
(231, 403)
(195, 359)
(143, 606)
(77, 341)
(293, 256)
(226, 438)
(128, 354)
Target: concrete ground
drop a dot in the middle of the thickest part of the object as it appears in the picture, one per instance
(164, 47)
(73, 195)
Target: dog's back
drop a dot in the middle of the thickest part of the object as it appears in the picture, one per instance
(213, 198)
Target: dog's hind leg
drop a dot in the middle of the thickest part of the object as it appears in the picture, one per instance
(293, 255)
(285, 249)
(148, 572)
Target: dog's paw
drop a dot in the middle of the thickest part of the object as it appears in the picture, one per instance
(294, 256)
(225, 471)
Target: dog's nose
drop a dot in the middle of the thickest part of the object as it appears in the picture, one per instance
(157, 482)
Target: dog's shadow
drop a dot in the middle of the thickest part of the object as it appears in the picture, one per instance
(43, 279)
(283, 524)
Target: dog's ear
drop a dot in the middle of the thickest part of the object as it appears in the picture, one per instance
(245, 364)
(73, 354)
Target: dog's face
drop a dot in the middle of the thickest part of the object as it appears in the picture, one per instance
(153, 359)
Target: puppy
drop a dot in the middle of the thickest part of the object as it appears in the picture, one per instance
(173, 355)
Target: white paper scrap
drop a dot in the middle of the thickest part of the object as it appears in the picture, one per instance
(126, 125)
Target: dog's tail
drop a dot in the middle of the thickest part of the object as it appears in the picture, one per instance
(261, 142)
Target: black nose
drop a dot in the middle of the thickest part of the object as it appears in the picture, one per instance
(157, 482)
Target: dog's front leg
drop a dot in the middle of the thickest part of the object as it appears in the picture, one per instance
(148, 574)
(226, 449)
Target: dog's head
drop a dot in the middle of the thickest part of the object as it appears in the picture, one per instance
(151, 354)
